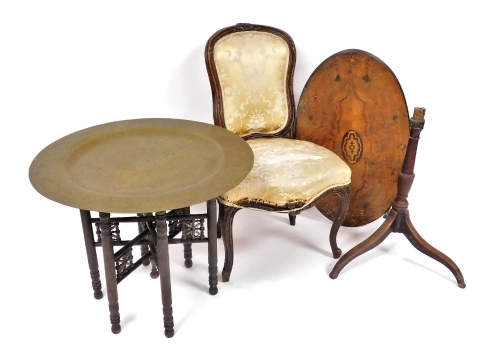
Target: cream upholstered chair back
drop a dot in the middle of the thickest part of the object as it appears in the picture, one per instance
(251, 71)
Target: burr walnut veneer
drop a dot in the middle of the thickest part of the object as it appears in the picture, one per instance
(353, 105)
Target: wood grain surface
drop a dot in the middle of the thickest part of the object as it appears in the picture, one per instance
(353, 105)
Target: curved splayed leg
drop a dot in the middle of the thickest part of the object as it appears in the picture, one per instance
(373, 241)
(423, 246)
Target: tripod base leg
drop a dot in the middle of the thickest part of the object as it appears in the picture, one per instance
(373, 241)
(423, 246)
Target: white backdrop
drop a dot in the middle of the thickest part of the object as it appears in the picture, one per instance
(67, 65)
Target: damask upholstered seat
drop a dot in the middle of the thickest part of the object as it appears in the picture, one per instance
(288, 175)
(251, 68)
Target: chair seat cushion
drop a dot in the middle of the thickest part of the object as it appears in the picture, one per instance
(287, 175)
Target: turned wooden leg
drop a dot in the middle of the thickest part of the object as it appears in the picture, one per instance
(144, 248)
(109, 269)
(154, 266)
(423, 246)
(88, 236)
(292, 217)
(188, 255)
(152, 247)
(219, 219)
(226, 224)
(212, 246)
(188, 251)
(373, 241)
(164, 269)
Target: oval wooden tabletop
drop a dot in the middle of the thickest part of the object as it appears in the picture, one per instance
(142, 165)
(353, 105)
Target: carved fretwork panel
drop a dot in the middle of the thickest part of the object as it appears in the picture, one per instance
(193, 229)
(174, 226)
(115, 232)
(124, 263)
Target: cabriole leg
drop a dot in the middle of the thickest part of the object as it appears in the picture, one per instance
(343, 195)
(226, 224)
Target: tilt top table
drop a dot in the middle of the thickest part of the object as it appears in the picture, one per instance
(142, 166)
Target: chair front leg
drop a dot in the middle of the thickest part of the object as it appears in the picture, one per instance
(226, 216)
(336, 213)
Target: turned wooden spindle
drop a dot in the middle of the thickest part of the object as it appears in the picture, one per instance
(164, 270)
(109, 269)
(212, 246)
(406, 176)
(398, 218)
(88, 235)
(188, 250)
(144, 248)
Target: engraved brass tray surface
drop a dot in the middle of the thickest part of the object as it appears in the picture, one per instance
(141, 165)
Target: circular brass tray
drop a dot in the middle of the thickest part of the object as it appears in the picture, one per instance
(142, 165)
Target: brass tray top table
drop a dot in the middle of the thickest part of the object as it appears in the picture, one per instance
(143, 166)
